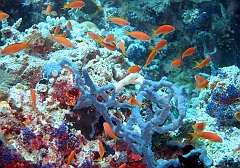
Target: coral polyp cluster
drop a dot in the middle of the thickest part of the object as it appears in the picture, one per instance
(103, 83)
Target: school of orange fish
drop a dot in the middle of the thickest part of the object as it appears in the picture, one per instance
(110, 43)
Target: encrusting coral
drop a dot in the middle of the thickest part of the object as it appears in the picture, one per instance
(6, 80)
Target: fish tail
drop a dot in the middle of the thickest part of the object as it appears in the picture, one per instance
(154, 33)
(197, 64)
(235, 151)
(151, 48)
(43, 12)
(194, 136)
(126, 32)
(108, 18)
(65, 6)
(53, 13)
(28, 43)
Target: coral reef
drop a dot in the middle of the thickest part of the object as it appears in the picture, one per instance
(58, 91)
(224, 95)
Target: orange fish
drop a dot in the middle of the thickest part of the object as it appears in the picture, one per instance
(3, 15)
(150, 58)
(123, 165)
(34, 99)
(111, 46)
(188, 52)
(108, 130)
(211, 136)
(162, 43)
(63, 41)
(33, 143)
(75, 4)
(237, 115)
(139, 35)
(199, 79)
(235, 151)
(134, 69)
(95, 37)
(119, 21)
(132, 101)
(165, 29)
(201, 82)
(206, 135)
(69, 25)
(70, 158)
(13, 48)
(49, 11)
(204, 62)
(56, 30)
(199, 126)
(101, 150)
(176, 62)
(122, 47)
(109, 39)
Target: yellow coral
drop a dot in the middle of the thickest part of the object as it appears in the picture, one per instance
(4, 107)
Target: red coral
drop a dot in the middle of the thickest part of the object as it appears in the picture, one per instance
(59, 91)
(35, 78)
(132, 157)
(38, 143)
(122, 146)
(138, 164)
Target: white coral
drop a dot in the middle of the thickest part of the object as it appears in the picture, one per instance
(133, 78)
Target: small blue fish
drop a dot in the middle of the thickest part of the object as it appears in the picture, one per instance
(223, 11)
(27, 2)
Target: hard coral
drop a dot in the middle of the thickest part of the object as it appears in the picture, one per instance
(65, 140)
(9, 157)
(224, 95)
(62, 88)
(28, 135)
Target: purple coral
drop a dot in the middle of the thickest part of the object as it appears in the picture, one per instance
(222, 104)
(65, 140)
(27, 135)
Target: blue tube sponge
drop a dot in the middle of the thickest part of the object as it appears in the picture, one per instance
(164, 118)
